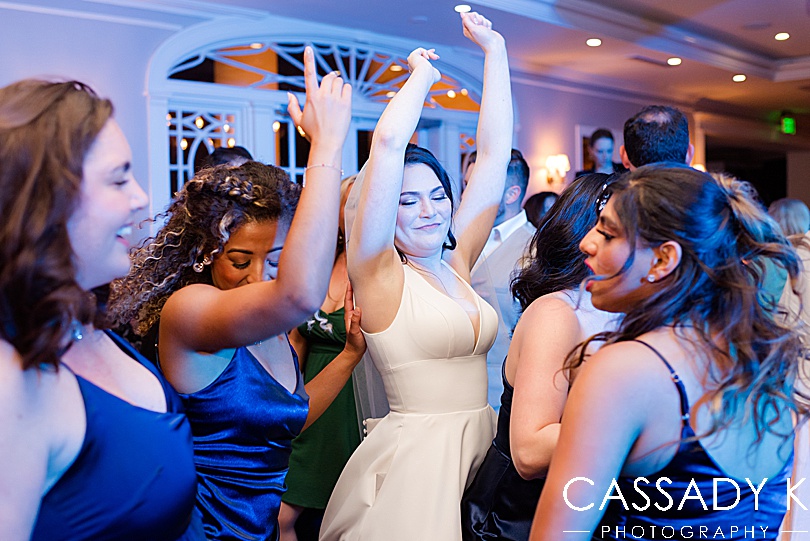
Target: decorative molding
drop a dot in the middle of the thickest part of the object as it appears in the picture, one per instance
(657, 36)
(76, 14)
(190, 8)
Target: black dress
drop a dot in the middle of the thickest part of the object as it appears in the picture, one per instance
(499, 503)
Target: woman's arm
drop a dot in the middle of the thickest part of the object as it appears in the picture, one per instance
(205, 318)
(479, 203)
(25, 442)
(324, 387)
(371, 257)
(546, 332)
(605, 413)
(299, 344)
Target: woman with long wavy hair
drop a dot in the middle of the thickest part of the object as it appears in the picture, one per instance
(683, 422)
(557, 316)
(93, 442)
(224, 294)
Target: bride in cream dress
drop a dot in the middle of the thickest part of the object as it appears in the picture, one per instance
(427, 331)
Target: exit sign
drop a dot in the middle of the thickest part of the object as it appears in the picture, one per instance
(789, 125)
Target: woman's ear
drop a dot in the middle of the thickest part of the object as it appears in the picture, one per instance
(668, 256)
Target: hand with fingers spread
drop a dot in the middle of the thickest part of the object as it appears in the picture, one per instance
(479, 30)
(327, 112)
(420, 59)
(355, 342)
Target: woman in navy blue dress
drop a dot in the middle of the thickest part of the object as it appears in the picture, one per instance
(93, 443)
(682, 424)
(224, 294)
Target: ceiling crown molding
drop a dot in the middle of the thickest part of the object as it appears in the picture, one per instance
(654, 35)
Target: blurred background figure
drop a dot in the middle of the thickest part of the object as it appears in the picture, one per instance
(600, 148)
(226, 156)
(492, 273)
(538, 205)
(792, 215)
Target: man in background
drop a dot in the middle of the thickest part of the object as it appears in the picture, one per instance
(502, 254)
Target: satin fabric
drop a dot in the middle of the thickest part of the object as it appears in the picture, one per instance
(500, 504)
(405, 480)
(692, 463)
(243, 425)
(320, 453)
(133, 478)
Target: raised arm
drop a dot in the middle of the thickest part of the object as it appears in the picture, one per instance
(204, 318)
(479, 203)
(371, 257)
(547, 331)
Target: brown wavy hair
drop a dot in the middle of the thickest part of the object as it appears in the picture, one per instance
(729, 244)
(198, 224)
(46, 129)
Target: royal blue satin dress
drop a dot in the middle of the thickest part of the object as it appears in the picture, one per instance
(133, 478)
(692, 462)
(243, 425)
(499, 503)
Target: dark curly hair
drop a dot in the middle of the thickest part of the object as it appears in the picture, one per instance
(46, 129)
(555, 262)
(727, 243)
(199, 222)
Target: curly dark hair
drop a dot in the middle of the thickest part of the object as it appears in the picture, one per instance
(46, 129)
(728, 242)
(199, 222)
(555, 262)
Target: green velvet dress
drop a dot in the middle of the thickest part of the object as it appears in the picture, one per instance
(320, 452)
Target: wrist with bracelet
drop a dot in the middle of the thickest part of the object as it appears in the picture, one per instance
(327, 165)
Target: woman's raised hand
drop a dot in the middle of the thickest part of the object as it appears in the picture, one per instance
(420, 58)
(328, 110)
(479, 30)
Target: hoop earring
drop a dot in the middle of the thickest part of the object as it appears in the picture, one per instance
(200, 265)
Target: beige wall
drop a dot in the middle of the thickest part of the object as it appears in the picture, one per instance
(798, 173)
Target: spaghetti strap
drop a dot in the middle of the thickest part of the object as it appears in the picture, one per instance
(678, 383)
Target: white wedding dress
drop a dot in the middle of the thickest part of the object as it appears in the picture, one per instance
(406, 479)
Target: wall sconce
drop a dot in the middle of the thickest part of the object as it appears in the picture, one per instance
(557, 165)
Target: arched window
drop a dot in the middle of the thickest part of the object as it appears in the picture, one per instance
(231, 90)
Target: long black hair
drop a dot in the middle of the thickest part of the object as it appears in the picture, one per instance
(555, 262)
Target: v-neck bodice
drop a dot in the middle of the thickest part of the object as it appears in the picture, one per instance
(430, 347)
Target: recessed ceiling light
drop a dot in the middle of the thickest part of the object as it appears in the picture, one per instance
(256, 45)
(674, 61)
(781, 36)
(593, 42)
(451, 93)
(396, 67)
(390, 94)
(739, 78)
(462, 8)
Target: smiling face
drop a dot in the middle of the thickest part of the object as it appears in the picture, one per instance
(602, 154)
(110, 196)
(424, 214)
(251, 255)
(608, 248)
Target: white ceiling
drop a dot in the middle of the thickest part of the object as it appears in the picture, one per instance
(715, 38)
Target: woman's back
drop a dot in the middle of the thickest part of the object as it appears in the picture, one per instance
(726, 481)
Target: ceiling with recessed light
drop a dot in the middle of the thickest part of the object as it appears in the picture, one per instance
(686, 51)
(714, 39)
